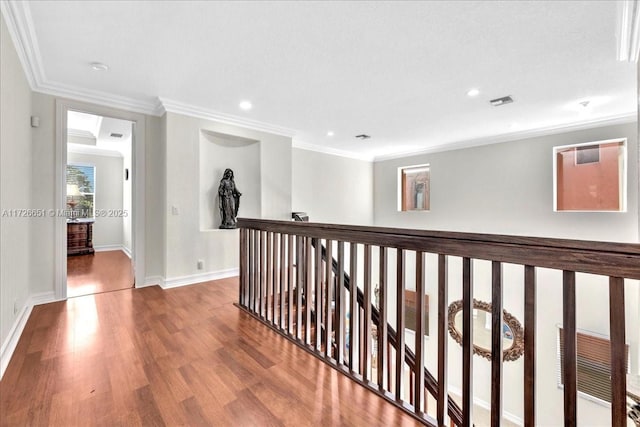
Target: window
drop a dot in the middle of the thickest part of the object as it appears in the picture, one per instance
(80, 190)
(593, 364)
(591, 176)
(414, 188)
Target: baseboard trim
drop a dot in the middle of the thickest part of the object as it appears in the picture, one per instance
(10, 344)
(106, 248)
(151, 281)
(41, 298)
(175, 282)
(486, 405)
(126, 251)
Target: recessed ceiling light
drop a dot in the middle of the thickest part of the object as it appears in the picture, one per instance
(99, 66)
(473, 92)
(246, 105)
(330, 133)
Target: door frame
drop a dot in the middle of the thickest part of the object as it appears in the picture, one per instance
(63, 106)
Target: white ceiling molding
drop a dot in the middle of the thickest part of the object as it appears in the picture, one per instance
(203, 113)
(515, 136)
(99, 98)
(20, 25)
(628, 30)
(80, 133)
(331, 151)
(92, 150)
(17, 16)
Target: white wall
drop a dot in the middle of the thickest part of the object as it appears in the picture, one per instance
(155, 197)
(15, 185)
(108, 229)
(507, 189)
(186, 242)
(332, 189)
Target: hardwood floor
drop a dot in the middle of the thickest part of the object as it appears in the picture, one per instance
(184, 356)
(99, 272)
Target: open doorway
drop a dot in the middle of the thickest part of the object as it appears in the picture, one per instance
(99, 208)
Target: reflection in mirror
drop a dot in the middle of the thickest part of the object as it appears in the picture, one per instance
(512, 332)
(482, 330)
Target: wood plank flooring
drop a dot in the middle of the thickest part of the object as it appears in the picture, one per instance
(100, 272)
(184, 356)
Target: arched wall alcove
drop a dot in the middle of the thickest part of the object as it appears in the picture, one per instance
(219, 151)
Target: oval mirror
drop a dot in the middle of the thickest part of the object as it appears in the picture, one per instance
(512, 333)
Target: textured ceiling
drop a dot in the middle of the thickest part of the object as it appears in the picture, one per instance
(398, 71)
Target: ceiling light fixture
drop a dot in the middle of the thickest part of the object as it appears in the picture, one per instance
(501, 101)
(473, 92)
(246, 105)
(99, 66)
(330, 133)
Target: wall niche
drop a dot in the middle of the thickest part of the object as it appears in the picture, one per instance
(219, 151)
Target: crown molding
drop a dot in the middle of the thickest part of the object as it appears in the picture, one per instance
(99, 98)
(628, 30)
(172, 106)
(17, 16)
(331, 151)
(618, 119)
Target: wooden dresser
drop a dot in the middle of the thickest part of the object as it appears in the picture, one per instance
(79, 237)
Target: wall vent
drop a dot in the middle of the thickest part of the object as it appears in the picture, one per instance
(501, 101)
(116, 135)
(363, 136)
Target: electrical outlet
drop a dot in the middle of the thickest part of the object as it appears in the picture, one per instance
(200, 264)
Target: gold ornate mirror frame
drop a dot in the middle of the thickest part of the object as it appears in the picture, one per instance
(510, 354)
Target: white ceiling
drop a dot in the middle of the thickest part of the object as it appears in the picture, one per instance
(99, 129)
(398, 71)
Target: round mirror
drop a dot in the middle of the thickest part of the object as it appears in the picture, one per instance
(512, 334)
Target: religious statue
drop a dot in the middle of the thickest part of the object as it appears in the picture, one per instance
(229, 200)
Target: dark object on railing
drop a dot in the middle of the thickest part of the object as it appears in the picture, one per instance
(316, 286)
(229, 200)
(300, 216)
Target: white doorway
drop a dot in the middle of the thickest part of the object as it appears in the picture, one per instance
(117, 213)
(99, 204)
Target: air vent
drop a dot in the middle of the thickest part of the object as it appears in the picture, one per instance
(501, 101)
(363, 136)
(116, 135)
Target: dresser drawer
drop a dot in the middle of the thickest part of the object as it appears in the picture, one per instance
(77, 228)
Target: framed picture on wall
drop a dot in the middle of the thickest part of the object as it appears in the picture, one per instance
(414, 188)
(410, 311)
(591, 176)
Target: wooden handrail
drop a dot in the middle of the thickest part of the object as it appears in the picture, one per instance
(603, 258)
(311, 292)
